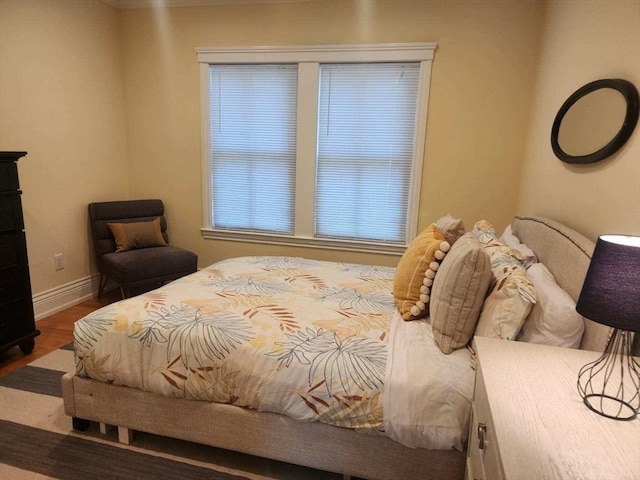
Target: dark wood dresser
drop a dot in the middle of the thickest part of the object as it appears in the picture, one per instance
(17, 323)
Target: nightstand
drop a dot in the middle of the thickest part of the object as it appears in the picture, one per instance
(529, 422)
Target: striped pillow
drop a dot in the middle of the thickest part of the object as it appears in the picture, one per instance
(459, 291)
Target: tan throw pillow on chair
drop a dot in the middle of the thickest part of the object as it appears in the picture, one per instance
(132, 235)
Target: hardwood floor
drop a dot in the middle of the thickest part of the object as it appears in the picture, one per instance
(55, 332)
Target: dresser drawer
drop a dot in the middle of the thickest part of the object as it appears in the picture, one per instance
(13, 250)
(16, 321)
(14, 284)
(9, 176)
(11, 213)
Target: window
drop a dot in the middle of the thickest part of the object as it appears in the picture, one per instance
(366, 124)
(316, 146)
(253, 147)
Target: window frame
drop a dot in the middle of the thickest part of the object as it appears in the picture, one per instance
(308, 59)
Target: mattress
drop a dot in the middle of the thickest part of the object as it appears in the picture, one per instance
(299, 337)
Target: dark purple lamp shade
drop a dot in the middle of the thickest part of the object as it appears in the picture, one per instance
(611, 291)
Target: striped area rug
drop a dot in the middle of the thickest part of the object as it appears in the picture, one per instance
(37, 441)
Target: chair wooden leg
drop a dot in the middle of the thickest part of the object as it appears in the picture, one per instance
(103, 283)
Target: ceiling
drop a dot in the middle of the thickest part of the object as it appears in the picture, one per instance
(189, 3)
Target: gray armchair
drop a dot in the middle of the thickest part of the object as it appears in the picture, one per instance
(135, 267)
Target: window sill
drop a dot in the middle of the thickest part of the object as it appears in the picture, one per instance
(322, 243)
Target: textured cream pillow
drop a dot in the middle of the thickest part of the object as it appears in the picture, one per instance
(451, 227)
(509, 302)
(512, 293)
(458, 292)
(132, 235)
(415, 272)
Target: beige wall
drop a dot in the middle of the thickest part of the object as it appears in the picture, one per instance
(106, 102)
(583, 40)
(482, 79)
(61, 100)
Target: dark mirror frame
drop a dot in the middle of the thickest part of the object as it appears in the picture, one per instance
(630, 94)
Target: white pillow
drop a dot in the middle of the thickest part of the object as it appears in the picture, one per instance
(553, 319)
(528, 256)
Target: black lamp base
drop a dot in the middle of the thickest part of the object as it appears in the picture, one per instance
(610, 386)
(602, 404)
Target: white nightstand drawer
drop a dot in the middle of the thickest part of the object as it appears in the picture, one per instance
(474, 470)
(483, 453)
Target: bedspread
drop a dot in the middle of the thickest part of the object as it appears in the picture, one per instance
(288, 335)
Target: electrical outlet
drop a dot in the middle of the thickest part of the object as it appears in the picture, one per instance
(58, 260)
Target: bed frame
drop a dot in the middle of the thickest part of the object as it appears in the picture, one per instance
(565, 252)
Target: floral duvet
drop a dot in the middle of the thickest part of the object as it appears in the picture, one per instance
(300, 337)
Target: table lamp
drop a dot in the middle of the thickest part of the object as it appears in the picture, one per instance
(610, 386)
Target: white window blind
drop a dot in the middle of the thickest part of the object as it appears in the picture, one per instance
(253, 147)
(366, 125)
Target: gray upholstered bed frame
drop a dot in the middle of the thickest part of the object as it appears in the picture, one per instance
(565, 252)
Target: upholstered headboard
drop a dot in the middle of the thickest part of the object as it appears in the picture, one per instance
(567, 254)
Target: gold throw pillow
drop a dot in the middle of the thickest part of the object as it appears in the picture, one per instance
(132, 235)
(415, 272)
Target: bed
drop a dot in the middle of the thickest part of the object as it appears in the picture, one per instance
(333, 345)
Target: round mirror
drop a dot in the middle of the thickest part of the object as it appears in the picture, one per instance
(595, 121)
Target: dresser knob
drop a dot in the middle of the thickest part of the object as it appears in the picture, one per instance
(482, 432)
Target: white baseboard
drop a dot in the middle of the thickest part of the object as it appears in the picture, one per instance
(65, 296)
